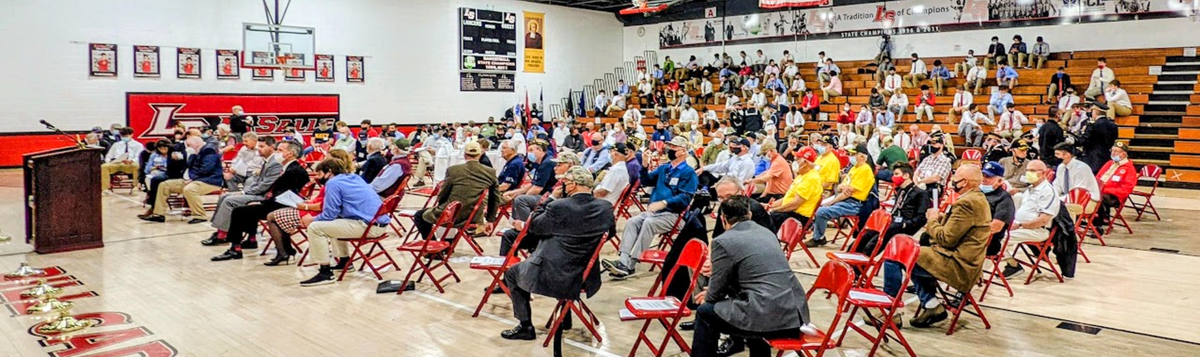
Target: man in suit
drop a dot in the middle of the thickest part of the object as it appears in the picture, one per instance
(245, 218)
(204, 177)
(955, 244)
(752, 291)
(464, 184)
(573, 226)
(257, 186)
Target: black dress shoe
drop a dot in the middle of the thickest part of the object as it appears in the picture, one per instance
(250, 244)
(197, 220)
(323, 277)
(279, 259)
(211, 241)
(343, 264)
(153, 218)
(228, 255)
(731, 346)
(688, 325)
(519, 333)
(497, 289)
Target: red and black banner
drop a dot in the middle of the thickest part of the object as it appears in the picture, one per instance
(262, 74)
(154, 115)
(325, 70)
(355, 69)
(145, 62)
(228, 64)
(103, 59)
(295, 74)
(188, 65)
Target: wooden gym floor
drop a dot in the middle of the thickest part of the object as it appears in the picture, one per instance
(158, 275)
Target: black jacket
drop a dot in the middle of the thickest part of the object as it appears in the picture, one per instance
(371, 168)
(911, 204)
(555, 269)
(1098, 140)
(1063, 84)
(293, 179)
(1051, 134)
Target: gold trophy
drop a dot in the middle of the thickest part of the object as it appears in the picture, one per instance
(23, 271)
(41, 289)
(49, 303)
(64, 323)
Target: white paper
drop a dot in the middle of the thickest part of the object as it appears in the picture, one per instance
(654, 305)
(487, 260)
(407, 212)
(849, 256)
(828, 200)
(289, 198)
(858, 295)
(626, 315)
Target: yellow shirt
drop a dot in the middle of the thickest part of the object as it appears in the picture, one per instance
(829, 166)
(808, 187)
(861, 179)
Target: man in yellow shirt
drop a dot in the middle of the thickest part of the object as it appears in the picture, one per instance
(850, 194)
(803, 195)
(827, 163)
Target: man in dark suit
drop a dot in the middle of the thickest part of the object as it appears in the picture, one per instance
(752, 291)
(205, 176)
(245, 218)
(575, 226)
(1099, 138)
(375, 160)
(256, 188)
(464, 184)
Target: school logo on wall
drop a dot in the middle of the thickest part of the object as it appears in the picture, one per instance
(154, 115)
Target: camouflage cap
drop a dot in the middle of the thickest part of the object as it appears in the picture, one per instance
(578, 175)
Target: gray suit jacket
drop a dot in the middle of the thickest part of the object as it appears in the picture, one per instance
(570, 229)
(259, 184)
(752, 286)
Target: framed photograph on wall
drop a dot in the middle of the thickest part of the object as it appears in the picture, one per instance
(102, 58)
(325, 70)
(188, 65)
(145, 62)
(229, 66)
(295, 75)
(263, 74)
(355, 69)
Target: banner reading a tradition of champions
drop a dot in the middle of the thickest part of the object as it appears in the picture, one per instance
(779, 4)
(535, 54)
(905, 17)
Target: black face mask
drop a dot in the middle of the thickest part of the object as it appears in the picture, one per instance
(735, 151)
(322, 180)
(955, 185)
(671, 155)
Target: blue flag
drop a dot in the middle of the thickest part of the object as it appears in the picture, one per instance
(581, 110)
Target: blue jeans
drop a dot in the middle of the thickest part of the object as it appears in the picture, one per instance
(884, 175)
(847, 207)
(893, 275)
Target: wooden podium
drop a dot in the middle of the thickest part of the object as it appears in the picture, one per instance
(62, 200)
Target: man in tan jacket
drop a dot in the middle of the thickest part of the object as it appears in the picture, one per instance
(464, 184)
(953, 247)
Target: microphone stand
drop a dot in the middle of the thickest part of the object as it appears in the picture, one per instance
(73, 139)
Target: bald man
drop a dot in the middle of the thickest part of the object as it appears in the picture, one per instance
(1036, 209)
(957, 242)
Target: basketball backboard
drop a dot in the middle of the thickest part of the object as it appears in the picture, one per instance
(278, 46)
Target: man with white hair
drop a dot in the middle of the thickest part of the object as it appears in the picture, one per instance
(387, 182)
(375, 160)
(204, 177)
(247, 163)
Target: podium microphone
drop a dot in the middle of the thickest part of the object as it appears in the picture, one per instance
(75, 140)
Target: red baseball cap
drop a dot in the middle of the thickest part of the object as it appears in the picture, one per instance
(807, 154)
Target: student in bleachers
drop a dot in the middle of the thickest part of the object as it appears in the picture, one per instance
(791, 73)
(1018, 54)
(998, 102)
(969, 127)
(826, 69)
(1118, 100)
(1101, 76)
(884, 120)
(1060, 83)
(996, 53)
(898, 102)
(1006, 76)
(682, 102)
(940, 75)
(916, 73)
(967, 64)
(926, 102)
(883, 70)
(810, 105)
(834, 88)
(748, 87)
(1011, 121)
(876, 99)
(1040, 54)
(846, 119)
(864, 120)
(958, 106)
(891, 84)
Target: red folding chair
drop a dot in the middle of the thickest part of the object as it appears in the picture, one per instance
(791, 234)
(464, 233)
(1151, 173)
(1079, 196)
(836, 278)
(846, 226)
(121, 180)
(692, 257)
(996, 274)
(389, 205)
(411, 213)
(627, 201)
(972, 156)
(879, 222)
(576, 306)
(1035, 260)
(902, 249)
(425, 250)
(395, 220)
(497, 265)
(657, 256)
(955, 311)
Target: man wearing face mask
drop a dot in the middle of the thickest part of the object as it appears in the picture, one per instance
(1117, 179)
(544, 177)
(244, 222)
(908, 214)
(850, 196)
(569, 229)
(674, 184)
(1098, 138)
(596, 157)
(1073, 173)
(1014, 166)
(513, 172)
(827, 163)
(1038, 206)
(803, 195)
(122, 157)
(614, 182)
(204, 177)
(256, 187)
(1000, 202)
(955, 254)
(464, 183)
(740, 164)
(935, 168)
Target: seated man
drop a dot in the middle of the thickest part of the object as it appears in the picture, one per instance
(935, 168)
(1001, 204)
(1014, 166)
(908, 213)
(464, 184)
(245, 163)
(776, 178)
(388, 181)
(544, 177)
(596, 157)
(122, 157)
(1118, 100)
(375, 159)
(513, 172)
(1006, 76)
(616, 180)
(256, 189)
(740, 164)
(1038, 206)
(243, 220)
(1073, 173)
(617, 105)
(674, 184)
(804, 194)
(751, 291)
(350, 205)
(957, 241)
(1117, 179)
(570, 228)
(850, 194)
(204, 177)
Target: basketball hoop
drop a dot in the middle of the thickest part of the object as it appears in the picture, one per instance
(644, 7)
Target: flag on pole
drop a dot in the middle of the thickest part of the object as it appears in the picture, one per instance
(570, 104)
(581, 110)
(528, 111)
(542, 99)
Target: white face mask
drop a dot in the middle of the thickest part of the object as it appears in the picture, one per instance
(277, 157)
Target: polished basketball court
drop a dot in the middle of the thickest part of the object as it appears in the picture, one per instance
(1133, 299)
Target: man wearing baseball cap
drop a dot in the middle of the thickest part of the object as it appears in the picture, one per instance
(565, 231)
(740, 164)
(1014, 166)
(827, 164)
(802, 197)
(542, 178)
(1098, 139)
(674, 184)
(1117, 179)
(935, 168)
(388, 180)
(850, 194)
(616, 180)
(1001, 203)
(464, 184)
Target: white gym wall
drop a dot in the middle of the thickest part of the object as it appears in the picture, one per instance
(411, 48)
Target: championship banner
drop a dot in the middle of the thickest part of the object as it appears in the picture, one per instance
(145, 61)
(295, 75)
(904, 17)
(102, 58)
(325, 68)
(153, 116)
(355, 69)
(779, 4)
(262, 74)
(229, 66)
(535, 54)
(188, 65)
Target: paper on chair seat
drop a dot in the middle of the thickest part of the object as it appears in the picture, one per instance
(858, 295)
(654, 304)
(487, 261)
(850, 256)
(626, 315)
(407, 212)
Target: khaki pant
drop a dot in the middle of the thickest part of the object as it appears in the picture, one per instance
(613, 108)
(823, 78)
(912, 80)
(1117, 110)
(424, 159)
(924, 109)
(322, 234)
(953, 114)
(109, 168)
(1022, 60)
(192, 193)
(962, 68)
(1093, 92)
(830, 93)
(989, 62)
(886, 93)
(976, 84)
(1052, 93)
(938, 84)
(1037, 61)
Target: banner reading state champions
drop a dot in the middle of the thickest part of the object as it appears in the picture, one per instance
(534, 52)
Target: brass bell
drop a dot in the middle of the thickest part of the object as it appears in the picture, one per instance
(41, 289)
(49, 304)
(24, 270)
(64, 323)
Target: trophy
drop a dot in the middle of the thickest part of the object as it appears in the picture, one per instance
(23, 271)
(41, 289)
(64, 323)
